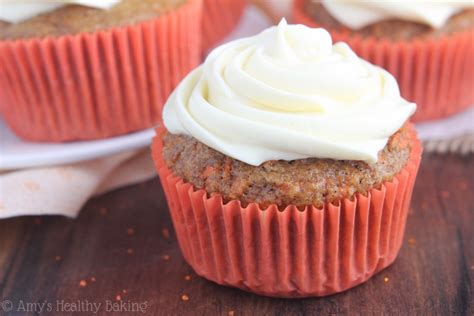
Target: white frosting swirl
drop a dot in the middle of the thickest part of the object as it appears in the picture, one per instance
(17, 11)
(287, 94)
(358, 14)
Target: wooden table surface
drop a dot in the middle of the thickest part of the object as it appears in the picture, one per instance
(122, 249)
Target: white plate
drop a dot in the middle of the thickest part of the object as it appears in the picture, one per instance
(16, 153)
(450, 127)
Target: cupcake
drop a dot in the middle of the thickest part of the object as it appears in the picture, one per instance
(288, 164)
(426, 46)
(219, 18)
(93, 69)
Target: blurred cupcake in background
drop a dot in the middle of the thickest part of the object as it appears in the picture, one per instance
(219, 18)
(93, 69)
(288, 164)
(426, 45)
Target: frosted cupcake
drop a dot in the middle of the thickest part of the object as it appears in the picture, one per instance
(93, 69)
(426, 45)
(288, 164)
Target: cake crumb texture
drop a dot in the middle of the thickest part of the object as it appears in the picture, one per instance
(300, 182)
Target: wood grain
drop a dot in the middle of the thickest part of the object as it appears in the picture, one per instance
(118, 241)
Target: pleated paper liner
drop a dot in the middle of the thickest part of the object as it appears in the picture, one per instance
(220, 17)
(437, 74)
(97, 85)
(290, 253)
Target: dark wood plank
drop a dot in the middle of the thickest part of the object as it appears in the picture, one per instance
(118, 241)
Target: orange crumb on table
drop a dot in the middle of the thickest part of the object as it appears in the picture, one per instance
(130, 251)
(445, 194)
(187, 277)
(93, 279)
(166, 233)
(411, 241)
(118, 297)
(124, 291)
(424, 206)
(231, 313)
(184, 297)
(57, 258)
(82, 283)
(386, 279)
(130, 231)
(167, 257)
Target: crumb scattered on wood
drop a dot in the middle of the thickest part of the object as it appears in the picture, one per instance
(82, 283)
(445, 194)
(184, 297)
(166, 233)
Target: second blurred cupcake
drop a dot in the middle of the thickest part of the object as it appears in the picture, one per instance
(93, 69)
(219, 18)
(426, 45)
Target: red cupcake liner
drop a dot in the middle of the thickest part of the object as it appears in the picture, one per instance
(97, 85)
(437, 73)
(219, 19)
(290, 253)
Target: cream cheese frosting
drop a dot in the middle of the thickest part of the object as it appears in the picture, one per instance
(358, 14)
(17, 11)
(285, 94)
